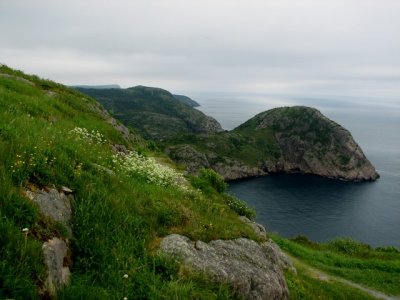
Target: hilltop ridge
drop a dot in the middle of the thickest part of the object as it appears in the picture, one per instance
(288, 139)
(154, 112)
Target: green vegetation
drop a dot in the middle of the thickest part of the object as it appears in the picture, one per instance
(155, 112)
(209, 182)
(53, 136)
(378, 269)
(308, 285)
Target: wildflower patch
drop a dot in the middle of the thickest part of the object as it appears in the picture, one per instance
(93, 136)
(133, 163)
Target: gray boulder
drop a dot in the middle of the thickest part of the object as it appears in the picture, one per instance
(55, 253)
(259, 229)
(251, 269)
(53, 204)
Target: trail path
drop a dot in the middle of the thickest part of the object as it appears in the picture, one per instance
(320, 275)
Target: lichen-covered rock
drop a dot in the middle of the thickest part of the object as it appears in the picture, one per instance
(279, 256)
(233, 169)
(251, 269)
(259, 229)
(311, 143)
(55, 253)
(53, 204)
(57, 206)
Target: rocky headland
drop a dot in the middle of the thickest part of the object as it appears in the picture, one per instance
(295, 139)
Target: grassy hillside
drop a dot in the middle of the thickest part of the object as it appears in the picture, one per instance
(54, 136)
(343, 258)
(155, 112)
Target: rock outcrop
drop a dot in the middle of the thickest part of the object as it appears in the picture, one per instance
(55, 252)
(311, 143)
(57, 206)
(288, 139)
(282, 140)
(253, 270)
(194, 160)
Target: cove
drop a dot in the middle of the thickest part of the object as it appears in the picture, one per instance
(323, 209)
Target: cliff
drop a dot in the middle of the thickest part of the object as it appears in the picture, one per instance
(311, 143)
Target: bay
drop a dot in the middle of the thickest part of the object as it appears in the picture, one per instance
(320, 208)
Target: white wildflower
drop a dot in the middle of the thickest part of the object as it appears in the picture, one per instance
(93, 137)
(133, 163)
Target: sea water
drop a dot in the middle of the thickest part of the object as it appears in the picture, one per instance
(324, 209)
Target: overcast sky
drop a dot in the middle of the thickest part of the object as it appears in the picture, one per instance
(323, 48)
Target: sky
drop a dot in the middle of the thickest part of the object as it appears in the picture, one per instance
(298, 48)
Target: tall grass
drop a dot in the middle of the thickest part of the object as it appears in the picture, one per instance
(119, 217)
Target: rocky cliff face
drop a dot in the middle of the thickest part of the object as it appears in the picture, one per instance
(288, 139)
(311, 143)
(282, 140)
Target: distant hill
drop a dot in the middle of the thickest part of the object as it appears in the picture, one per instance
(186, 100)
(98, 87)
(154, 112)
(287, 139)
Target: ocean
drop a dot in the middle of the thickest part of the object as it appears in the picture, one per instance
(324, 209)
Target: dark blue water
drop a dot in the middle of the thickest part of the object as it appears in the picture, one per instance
(324, 209)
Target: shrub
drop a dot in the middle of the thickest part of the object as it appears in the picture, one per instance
(208, 181)
(349, 246)
(240, 207)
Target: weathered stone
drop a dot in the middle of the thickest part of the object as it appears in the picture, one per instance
(55, 253)
(311, 143)
(66, 190)
(53, 204)
(279, 256)
(234, 169)
(251, 269)
(259, 229)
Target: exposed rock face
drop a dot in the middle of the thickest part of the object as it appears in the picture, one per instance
(195, 160)
(234, 169)
(289, 140)
(311, 143)
(280, 257)
(57, 206)
(58, 274)
(259, 229)
(253, 270)
(53, 204)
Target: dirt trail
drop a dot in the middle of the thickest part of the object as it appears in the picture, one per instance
(320, 275)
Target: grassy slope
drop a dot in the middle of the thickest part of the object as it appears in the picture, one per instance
(378, 269)
(155, 112)
(117, 219)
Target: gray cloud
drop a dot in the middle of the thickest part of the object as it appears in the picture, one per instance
(304, 48)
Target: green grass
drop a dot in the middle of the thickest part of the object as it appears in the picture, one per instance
(305, 286)
(118, 219)
(378, 269)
